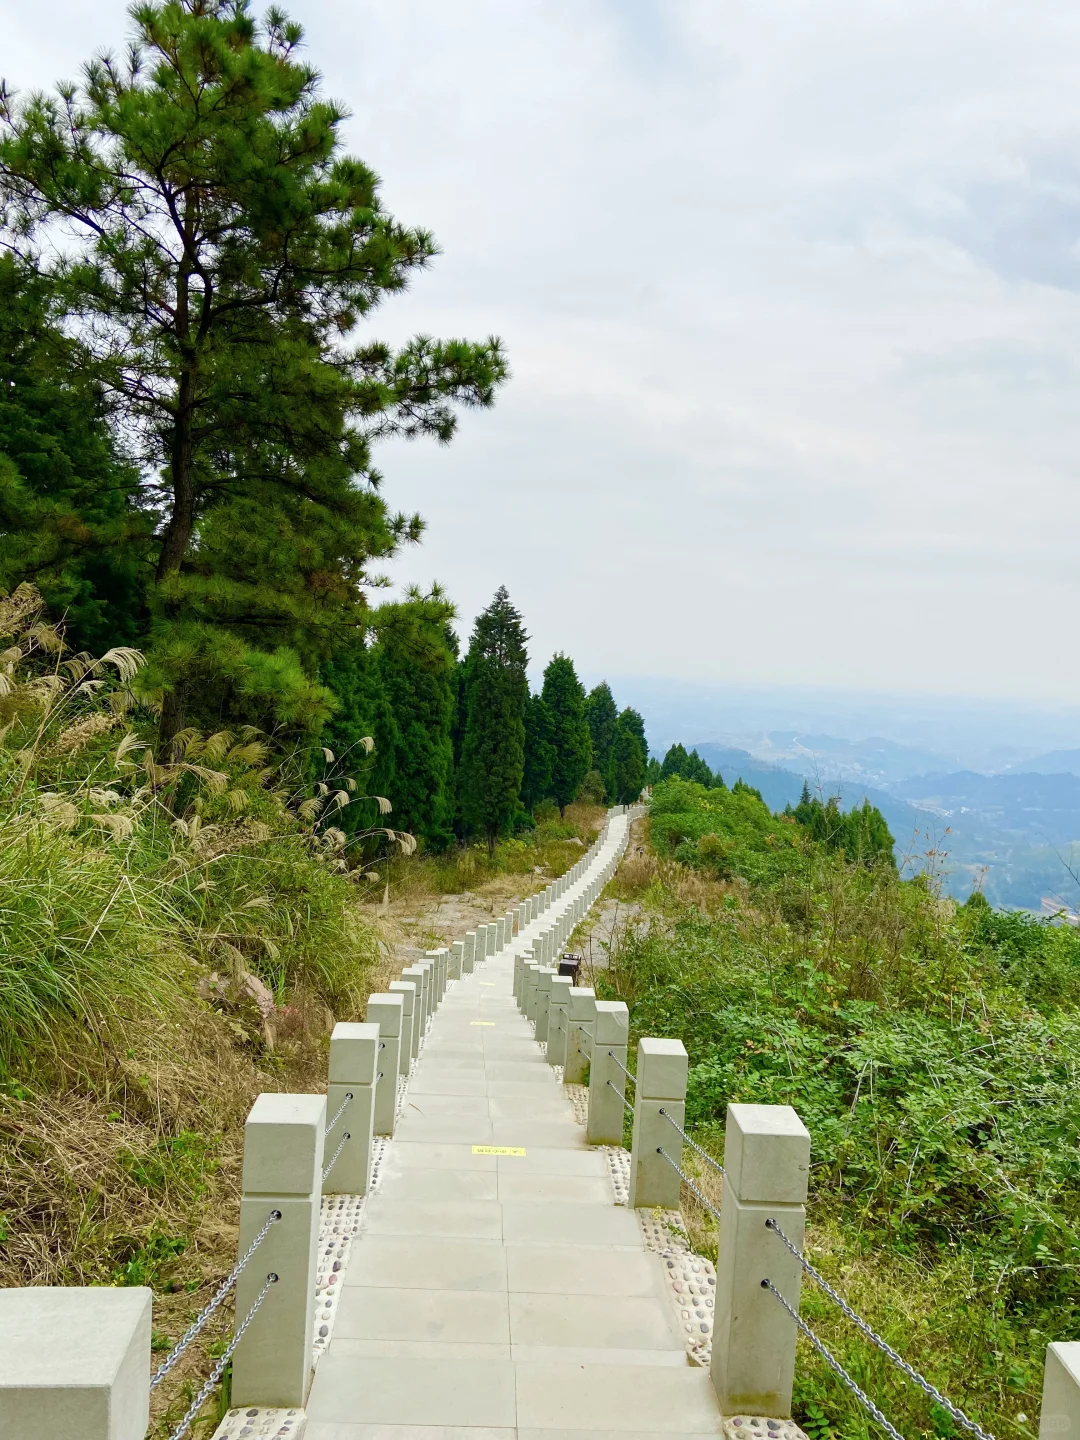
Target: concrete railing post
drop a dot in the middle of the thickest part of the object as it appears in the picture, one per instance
(492, 945)
(386, 1011)
(1059, 1418)
(407, 990)
(354, 1062)
(415, 976)
(75, 1362)
(661, 1085)
(283, 1158)
(470, 950)
(457, 959)
(767, 1160)
(581, 1017)
(558, 1005)
(519, 963)
(607, 1083)
(543, 996)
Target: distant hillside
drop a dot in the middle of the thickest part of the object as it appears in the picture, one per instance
(873, 761)
(1054, 762)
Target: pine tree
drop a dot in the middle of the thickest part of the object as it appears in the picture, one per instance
(601, 714)
(71, 518)
(628, 758)
(565, 698)
(495, 699)
(539, 753)
(219, 246)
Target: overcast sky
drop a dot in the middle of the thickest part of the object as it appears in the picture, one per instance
(791, 292)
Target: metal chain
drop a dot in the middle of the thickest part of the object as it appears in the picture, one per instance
(219, 1368)
(622, 1097)
(208, 1310)
(337, 1117)
(875, 1339)
(687, 1181)
(337, 1152)
(622, 1067)
(693, 1143)
(834, 1364)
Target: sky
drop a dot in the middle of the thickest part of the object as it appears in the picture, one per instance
(791, 295)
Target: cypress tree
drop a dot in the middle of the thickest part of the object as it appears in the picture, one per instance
(493, 742)
(628, 759)
(565, 698)
(601, 714)
(539, 753)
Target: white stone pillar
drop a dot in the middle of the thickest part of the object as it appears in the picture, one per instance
(610, 1031)
(492, 939)
(427, 973)
(581, 1018)
(531, 974)
(1059, 1418)
(457, 959)
(519, 961)
(75, 1362)
(767, 1160)
(661, 1085)
(354, 1061)
(543, 995)
(386, 1010)
(415, 975)
(283, 1159)
(467, 958)
(558, 1005)
(407, 990)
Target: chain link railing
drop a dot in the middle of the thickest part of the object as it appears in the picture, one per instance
(709, 1159)
(834, 1364)
(621, 1096)
(208, 1310)
(928, 1389)
(688, 1182)
(341, 1146)
(223, 1360)
(337, 1117)
(628, 1073)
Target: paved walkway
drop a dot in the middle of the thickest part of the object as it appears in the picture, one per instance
(499, 1295)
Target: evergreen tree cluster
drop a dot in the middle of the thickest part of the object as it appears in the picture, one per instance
(862, 833)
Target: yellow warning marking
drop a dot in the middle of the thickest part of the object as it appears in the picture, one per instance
(497, 1150)
(481, 1022)
(489, 983)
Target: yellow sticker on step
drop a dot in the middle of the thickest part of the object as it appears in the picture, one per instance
(497, 1150)
(481, 1022)
(489, 983)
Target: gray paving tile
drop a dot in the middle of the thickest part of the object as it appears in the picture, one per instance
(659, 1398)
(329, 1430)
(434, 1155)
(581, 1270)
(427, 1263)
(593, 1321)
(562, 1224)
(377, 1313)
(450, 1185)
(583, 1355)
(559, 1133)
(379, 1390)
(464, 1219)
(558, 1189)
(554, 1160)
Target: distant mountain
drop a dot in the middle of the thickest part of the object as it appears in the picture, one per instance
(1054, 762)
(873, 761)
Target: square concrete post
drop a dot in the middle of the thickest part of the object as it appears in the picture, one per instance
(492, 939)
(354, 1060)
(407, 990)
(283, 1159)
(661, 1085)
(75, 1362)
(415, 975)
(543, 995)
(530, 973)
(519, 961)
(500, 933)
(610, 1031)
(469, 952)
(457, 959)
(441, 960)
(581, 1018)
(558, 1005)
(1059, 1418)
(511, 925)
(480, 952)
(767, 1159)
(386, 1010)
(427, 974)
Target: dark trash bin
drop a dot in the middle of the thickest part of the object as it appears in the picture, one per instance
(570, 965)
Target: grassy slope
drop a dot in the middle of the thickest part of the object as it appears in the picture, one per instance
(933, 1053)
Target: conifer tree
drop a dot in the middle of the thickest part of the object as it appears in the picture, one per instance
(628, 759)
(601, 714)
(539, 753)
(218, 248)
(496, 694)
(565, 699)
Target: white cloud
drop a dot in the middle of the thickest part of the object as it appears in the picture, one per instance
(792, 296)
